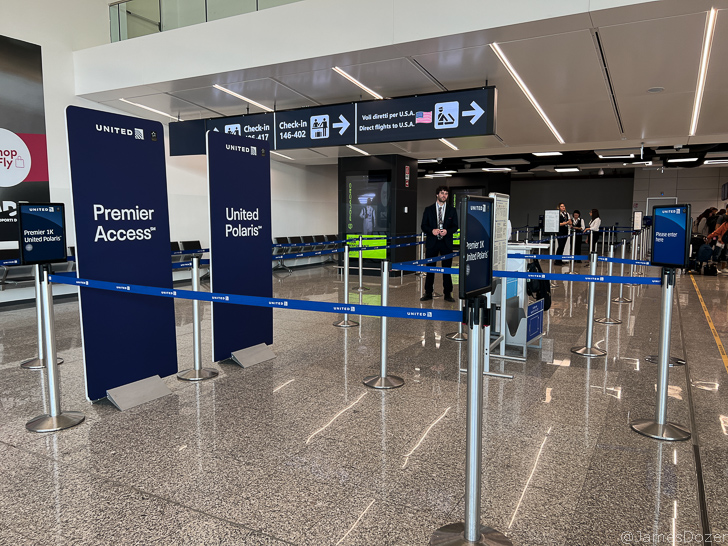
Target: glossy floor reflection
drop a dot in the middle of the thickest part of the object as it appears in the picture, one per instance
(298, 451)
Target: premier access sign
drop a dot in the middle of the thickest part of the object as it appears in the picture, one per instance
(423, 117)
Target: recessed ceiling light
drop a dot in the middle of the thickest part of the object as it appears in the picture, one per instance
(449, 144)
(630, 156)
(151, 109)
(497, 50)
(715, 162)
(362, 152)
(436, 175)
(640, 163)
(497, 169)
(655, 89)
(704, 58)
(357, 82)
(277, 153)
(446, 172)
(428, 161)
(243, 98)
(682, 160)
(567, 169)
(545, 154)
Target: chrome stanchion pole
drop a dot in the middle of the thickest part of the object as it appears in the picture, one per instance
(56, 419)
(603, 239)
(383, 381)
(659, 428)
(470, 531)
(361, 266)
(39, 362)
(621, 298)
(589, 349)
(551, 252)
(573, 252)
(518, 231)
(421, 252)
(540, 235)
(460, 335)
(608, 320)
(346, 323)
(197, 373)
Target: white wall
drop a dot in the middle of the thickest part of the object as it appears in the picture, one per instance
(699, 187)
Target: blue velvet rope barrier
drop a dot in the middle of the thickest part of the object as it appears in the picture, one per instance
(578, 278)
(196, 251)
(257, 301)
(306, 254)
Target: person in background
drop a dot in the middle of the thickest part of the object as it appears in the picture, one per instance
(720, 237)
(578, 225)
(702, 222)
(564, 223)
(712, 222)
(367, 215)
(439, 223)
(593, 228)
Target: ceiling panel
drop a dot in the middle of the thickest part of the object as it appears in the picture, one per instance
(646, 54)
(564, 76)
(518, 124)
(174, 106)
(713, 113)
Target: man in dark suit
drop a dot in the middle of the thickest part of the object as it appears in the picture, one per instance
(439, 223)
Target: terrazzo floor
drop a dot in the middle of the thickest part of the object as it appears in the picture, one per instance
(297, 450)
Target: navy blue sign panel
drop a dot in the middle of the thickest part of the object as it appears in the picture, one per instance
(240, 238)
(426, 117)
(258, 126)
(476, 246)
(119, 186)
(671, 235)
(331, 125)
(42, 233)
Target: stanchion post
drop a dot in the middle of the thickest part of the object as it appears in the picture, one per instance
(589, 349)
(460, 335)
(346, 323)
(659, 428)
(197, 373)
(39, 362)
(608, 320)
(384, 381)
(420, 251)
(361, 265)
(56, 419)
(621, 298)
(551, 252)
(471, 531)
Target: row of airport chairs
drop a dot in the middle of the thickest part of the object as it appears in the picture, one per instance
(302, 243)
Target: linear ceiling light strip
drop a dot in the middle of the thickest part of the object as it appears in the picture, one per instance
(150, 109)
(526, 91)
(357, 83)
(704, 59)
(241, 97)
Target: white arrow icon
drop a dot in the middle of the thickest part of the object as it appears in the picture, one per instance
(476, 112)
(344, 125)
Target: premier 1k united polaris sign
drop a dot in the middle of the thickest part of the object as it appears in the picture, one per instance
(240, 237)
(119, 186)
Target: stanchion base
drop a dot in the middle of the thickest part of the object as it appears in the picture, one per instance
(37, 363)
(454, 535)
(621, 300)
(47, 423)
(379, 382)
(457, 336)
(197, 375)
(672, 362)
(608, 320)
(588, 351)
(362, 289)
(346, 323)
(669, 431)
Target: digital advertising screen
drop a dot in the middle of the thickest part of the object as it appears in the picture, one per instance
(671, 235)
(367, 203)
(42, 233)
(476, 246)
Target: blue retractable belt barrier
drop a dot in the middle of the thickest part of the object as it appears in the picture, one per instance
(578, 278)
(256, 301)
(305, 254)
(425, 269)
(621, 261)
(196, 251)
(10, 262)
(548, 257)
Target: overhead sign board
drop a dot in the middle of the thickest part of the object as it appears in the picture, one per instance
(423, 117)
(476, 246)
(315, 127)
(427, 117)
(671, 235)
(42, 233)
